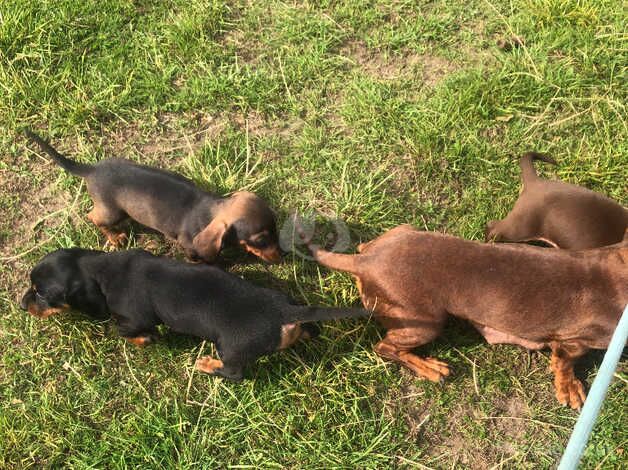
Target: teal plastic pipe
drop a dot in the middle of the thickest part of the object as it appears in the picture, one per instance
(593, 403)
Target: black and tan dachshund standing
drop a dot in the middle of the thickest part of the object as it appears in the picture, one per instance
(170, 203)
(141, 291)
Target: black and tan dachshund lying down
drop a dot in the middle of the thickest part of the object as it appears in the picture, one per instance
(141, 291)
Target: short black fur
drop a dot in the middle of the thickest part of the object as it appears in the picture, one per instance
(142, 291)
(168, 202)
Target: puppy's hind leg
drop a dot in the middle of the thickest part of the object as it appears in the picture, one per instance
(513, 228)
(414, 331)
(106, 217)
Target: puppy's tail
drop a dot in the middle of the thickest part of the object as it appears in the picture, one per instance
(311, 314)
(528, 173)
(338, 261)
(330, 259)
(76, 168)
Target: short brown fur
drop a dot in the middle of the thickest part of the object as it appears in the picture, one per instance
(290, 334)
(559, 214)
(569, 301)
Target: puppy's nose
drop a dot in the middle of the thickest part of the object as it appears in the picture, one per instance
(27, 298)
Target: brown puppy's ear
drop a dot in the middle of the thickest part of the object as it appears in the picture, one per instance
(208, 241)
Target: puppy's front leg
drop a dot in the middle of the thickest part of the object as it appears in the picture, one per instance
(209, 365)
(142, 340)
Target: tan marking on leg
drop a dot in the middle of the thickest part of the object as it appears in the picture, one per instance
(305, 335)
(358, 284)
(366, 301)
(429, 368)
(569, 390)
(140, 340)
(208, 364)
(290, 333)
(270, 254)
(116, 238)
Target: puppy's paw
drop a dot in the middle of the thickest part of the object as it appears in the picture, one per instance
(428, 367)
(208, 364)
(571, 392)
(143, 340)
(116, 240)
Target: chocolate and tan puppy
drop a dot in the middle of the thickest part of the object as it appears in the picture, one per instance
(569, 301)
(560, 214)
(170, 203)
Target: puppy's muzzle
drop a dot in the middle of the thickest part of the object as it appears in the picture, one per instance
(31, 303)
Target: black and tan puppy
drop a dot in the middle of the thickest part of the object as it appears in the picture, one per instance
(560, 214)
(201, 222)
(141, 291)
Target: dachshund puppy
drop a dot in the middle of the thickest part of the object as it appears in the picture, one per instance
(559, 214)
(201, 222)
(140, 291)
(569, 301)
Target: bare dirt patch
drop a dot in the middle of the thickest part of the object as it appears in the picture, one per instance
(32, 206)
(247, 51)
(256, 125)
(156, 140)
(511, 425)
(457, 440)
(431, 69)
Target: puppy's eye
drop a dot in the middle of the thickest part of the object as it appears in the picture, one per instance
(37, 293)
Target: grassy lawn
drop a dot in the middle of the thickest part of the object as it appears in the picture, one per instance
(377, 112)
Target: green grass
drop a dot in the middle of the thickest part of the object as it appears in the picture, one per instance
(377, 112)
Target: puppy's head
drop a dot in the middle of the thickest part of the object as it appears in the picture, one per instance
(246, 220)
(57, 284)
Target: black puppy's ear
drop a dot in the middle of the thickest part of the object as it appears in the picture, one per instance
(86, 296)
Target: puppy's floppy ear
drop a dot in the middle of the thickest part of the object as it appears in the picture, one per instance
(208, 242)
